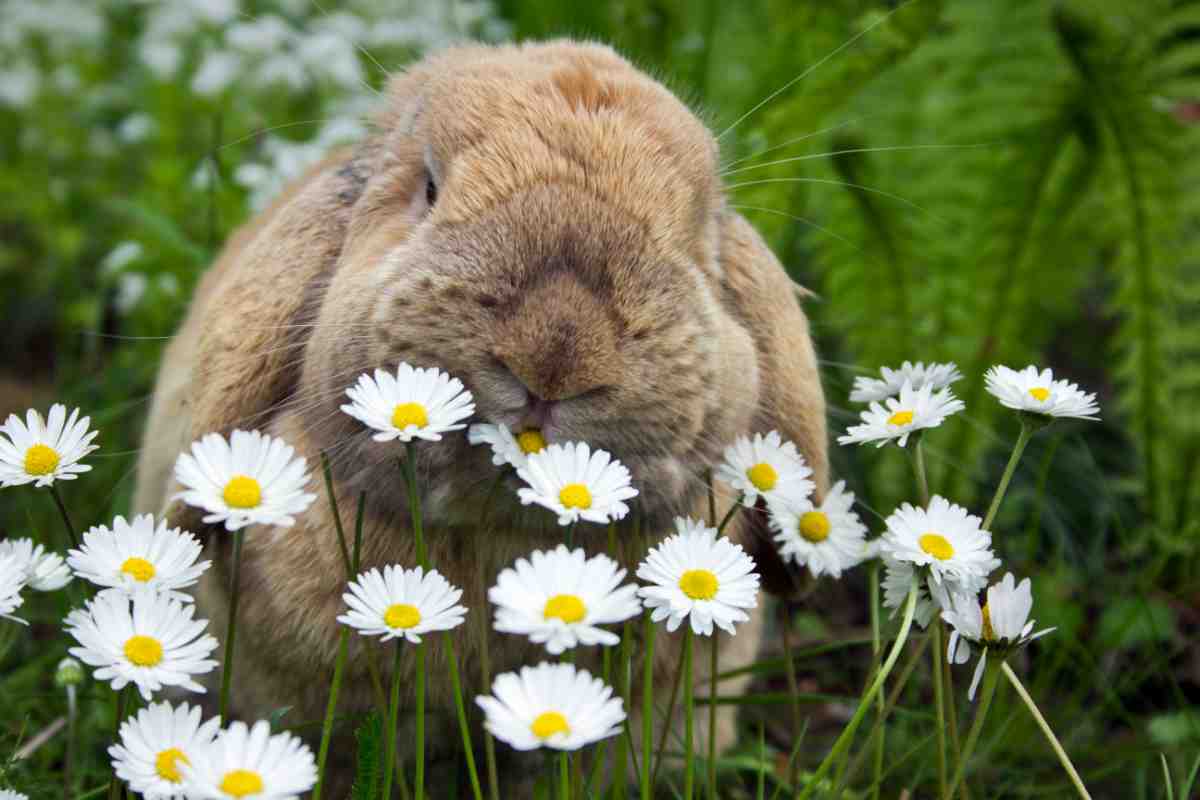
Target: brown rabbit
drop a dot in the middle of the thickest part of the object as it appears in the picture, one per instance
(546, 223)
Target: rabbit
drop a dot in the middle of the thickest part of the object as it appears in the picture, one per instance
(546, 223)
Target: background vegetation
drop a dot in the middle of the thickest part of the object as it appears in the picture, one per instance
(957, 180)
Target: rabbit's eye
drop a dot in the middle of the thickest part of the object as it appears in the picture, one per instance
(431, 192)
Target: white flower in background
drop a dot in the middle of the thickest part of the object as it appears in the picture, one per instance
(414, 403)
(121, 257)
(249, 762)
(402, 603)
(150, 640)
(12, 581)
(507, 448)
(767, 467)
(1002, 624)
(156, 744)
(560, 598)
(42, 451)
(697, 575)
(1038, 393)
(12, 794)
(45, 571)
(551, 705)
(135, 555)
(576, 483)
(918, 375)
(18, 85)
(914, 410)
(827, 538)
(943, 538)
(251, 479)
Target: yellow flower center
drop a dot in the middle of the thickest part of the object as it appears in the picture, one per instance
(401, 615)
(241, 782)
(575, 495)
(40, 460)
(1039, 393)
(143, 651)
(549, 723)
(410, 414)
(814, 526)
(139, 569)
(936, 545)
(242, 491)
(900, 418)
(531, 441)
(166, 764)
(566, 607)
(699, 584)
(763, 476)
(989, 633)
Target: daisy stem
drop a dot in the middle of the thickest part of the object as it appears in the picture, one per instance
(919, 469)
(337, 519)
(847, 734)
(793, 686)
(1022, 439)
(667, 724)
(330, 709)
(564, 776)
(991, 677)
(419, 783)
(393, 713)
(462, 718)
(414, 502)
(231, 629)
(648, 631)
(114, 784)
(729, 514)
(939, 701)
(877, 653)
(689, 708)
(485, 668)
(62, 510)
(1045, 726)
(952, 720)
(712, 497)
(712, 719)
(571, 535)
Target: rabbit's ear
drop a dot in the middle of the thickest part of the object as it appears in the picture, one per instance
(791, 400)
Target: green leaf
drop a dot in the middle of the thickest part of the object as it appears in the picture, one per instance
(368, 766)
(1131, 622)
(1175, 728)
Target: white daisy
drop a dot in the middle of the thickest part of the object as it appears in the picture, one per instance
(252, 479)
(918, 375)
(944, 538)
(1038, 393)
(575, 483)
(41, 451)
(931, 597)
(11, 794)
(766, 466)
(249, 762)
(826, 538)
(699, 575)
(45, 571)
(412, 404)
(12, 581)
(551, 705)
(507, 448)
(149, 639)
(561, 597)
(156, 744)
(402, 603)
(133, 555)
(913, 410)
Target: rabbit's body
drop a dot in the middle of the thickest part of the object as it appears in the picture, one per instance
(578, 257)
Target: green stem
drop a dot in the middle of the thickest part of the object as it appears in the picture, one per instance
(419, 783)
(72, 735)
(414, 503)
(330, 709)
(919, 469)
(393, 715)
(991, 677)
(952, 719)
(847, 735)
(114, 783)
(647, 706)
(712, 497)
(62, 510)
(564, 776)
(1045, 726)
(337, 517)
(793, 684)
(1022, 440)
(485, 669)
(462, 718)
(729, 514)
(571, 535)
(689, 710)
(936, 656)
(231, 629)
(712, 719)
(667, 725)
(877, 657)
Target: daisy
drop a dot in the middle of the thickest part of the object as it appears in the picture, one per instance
(1002, 624)
(766, 467)
(252, 479)
(149, 639)
(826, 538)
(507, 448)
(138, 554)
(699, 575)
(944, 539)
(931, 597)
(913, 410)
(45, 571)
(10, 794)
(156, 744)
(41, 451)
(402, 603)
(12, 581)
(1038, 393)
(551, 705)
(559, 598)
(575, 483)
(247, 762)
(938, 376)
(412, 404)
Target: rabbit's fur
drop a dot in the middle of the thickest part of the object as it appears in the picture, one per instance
(579, 249)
